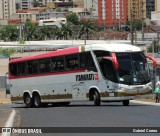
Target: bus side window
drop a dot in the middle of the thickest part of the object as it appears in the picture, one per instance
(32, 67)
(22, 68)
(60, 63)
(13, 69)
(72, 62)
(57, 64)
(86, 61)
(44, 65)
(82, 61)
(53, 64)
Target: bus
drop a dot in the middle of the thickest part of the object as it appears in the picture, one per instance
(96, 72)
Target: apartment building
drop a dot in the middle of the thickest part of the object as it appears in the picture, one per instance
(150, 6)
(155, 15)
(107, 12)
(157, 5)
(7, 8)
(136, 9)
(45, 2)
(36, 14)
(24, 4)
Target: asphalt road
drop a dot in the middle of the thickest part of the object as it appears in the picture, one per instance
(85, 114)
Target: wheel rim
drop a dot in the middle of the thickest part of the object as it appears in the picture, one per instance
(36, 101)
(28, 100)
(94, 97)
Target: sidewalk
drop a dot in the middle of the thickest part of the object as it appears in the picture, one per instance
(4, 99)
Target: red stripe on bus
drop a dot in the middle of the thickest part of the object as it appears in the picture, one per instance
(47, 74)
(57, 53)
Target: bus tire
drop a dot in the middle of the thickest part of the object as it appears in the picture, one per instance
(36, 101)
(125, 102)
(96, 99)
(28, 100)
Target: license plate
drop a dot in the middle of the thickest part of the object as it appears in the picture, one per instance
(111, 94)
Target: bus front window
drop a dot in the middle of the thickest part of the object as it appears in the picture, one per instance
(133, 68)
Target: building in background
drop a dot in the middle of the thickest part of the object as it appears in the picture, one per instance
(136, 10)
(109, 12)
(52, 22)
(156, 14)
(7, 8)
(24, 4)
(150, 6)
(36, 14)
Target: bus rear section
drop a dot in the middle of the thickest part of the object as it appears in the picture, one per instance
(98, 73)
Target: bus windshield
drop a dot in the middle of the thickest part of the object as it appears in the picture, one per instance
(133, 68)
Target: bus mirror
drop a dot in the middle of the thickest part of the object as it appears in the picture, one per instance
(153, 60)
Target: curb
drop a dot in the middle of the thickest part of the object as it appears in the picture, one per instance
(147, 103)
(5, 101)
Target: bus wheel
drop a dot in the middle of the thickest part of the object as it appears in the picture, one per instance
(125, 102)
(96, 99)
(28, 100)
(36, 101)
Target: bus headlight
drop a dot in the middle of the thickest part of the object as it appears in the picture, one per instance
(150, 85)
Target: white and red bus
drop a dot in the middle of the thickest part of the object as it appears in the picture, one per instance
(97, 72)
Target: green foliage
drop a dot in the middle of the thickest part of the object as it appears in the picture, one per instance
(7, 51)
(32, 31)
(64, 32)
(73, 18)
(36, 4)
(44, 32)
(137, 24)
(9, 33)
(17, 6)
(21, 41)
(87, 28)
(58, 10)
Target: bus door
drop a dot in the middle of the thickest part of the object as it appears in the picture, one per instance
(78, 90)
(109, 73)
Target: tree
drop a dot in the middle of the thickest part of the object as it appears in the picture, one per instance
(87, 28)
(45, 32)
(7, 52)
(30, 31)
(73, 18)
(137, 24)
(17, 6)
(58, 33)
(9, 33)
(36, 4)
(64, 32)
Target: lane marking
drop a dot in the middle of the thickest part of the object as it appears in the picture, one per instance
(9, 122)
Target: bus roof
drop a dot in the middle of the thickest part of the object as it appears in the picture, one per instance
(72, 50)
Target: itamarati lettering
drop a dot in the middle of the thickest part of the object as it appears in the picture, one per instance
(84, 77)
